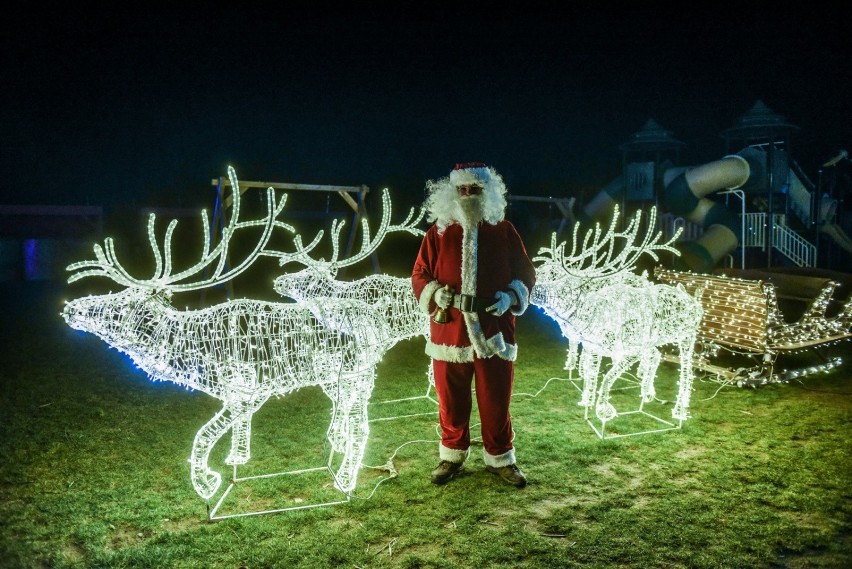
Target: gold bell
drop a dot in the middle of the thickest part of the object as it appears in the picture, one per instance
(441, 316)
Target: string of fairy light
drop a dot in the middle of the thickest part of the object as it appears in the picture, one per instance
(743, 316)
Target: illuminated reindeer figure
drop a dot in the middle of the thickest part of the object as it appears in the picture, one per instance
(392, 298)
(598, 302)
(241, 352)
(388, 297)
(564, 280)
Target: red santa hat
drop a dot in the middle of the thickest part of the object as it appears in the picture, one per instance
(471, 173)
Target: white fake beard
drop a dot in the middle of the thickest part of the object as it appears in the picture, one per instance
(472, 210)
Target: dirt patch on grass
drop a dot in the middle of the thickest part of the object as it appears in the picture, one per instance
(73, 552)
(690, 452)
(124, 536)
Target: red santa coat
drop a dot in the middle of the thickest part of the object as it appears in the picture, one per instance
(480, 262)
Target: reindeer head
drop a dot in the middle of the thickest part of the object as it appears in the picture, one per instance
(310, 282)
(318, 278)
(602, 258)
(369, 244)
(389, 298)
(104, 315)
(117, 318)
(603, 255)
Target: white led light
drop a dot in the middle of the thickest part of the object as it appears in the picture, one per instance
(601, 305)
(243, 352)
(743, 317)
(391, 298)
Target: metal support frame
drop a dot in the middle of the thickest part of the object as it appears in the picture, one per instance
(212, 513)
(740, 194)
(601, 428)
(427, 396)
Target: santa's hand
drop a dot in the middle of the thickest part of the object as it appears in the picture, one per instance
(443, 297)
(504, 301)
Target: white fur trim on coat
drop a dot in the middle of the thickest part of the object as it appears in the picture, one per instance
(499, 460)
(495, 346)
(477, 338)
(426, 296)
(469, 251)
(445, 353)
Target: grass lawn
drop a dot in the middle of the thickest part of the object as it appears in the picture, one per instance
(94, 469)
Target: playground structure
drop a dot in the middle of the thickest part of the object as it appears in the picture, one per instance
(758, 240)
(754, 207)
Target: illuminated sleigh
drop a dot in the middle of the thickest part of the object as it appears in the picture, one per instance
(742, 317)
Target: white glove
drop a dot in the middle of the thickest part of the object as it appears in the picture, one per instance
(504, 301)
(443, 297)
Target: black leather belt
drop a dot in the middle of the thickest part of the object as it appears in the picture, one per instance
(468, 303)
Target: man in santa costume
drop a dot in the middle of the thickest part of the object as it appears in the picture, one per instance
(474, 276)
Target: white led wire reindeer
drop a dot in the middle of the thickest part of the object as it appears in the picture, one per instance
(391, 297)
(603, 258)
(388, 297)
(241, 352)
(598, 301)
(629, 323)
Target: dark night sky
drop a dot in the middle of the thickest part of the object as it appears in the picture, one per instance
(144, 109)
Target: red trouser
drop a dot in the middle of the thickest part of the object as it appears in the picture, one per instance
(494, 379)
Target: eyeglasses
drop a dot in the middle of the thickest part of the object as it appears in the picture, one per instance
(469, 190)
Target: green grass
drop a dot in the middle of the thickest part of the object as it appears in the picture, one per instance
(94, 470)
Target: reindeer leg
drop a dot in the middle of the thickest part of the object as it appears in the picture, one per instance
(242, 413)
(204, 480)
(571, 359)
(648, 372)
(355, 426)
(336, 429)
(590, 368)
(240, 433)
(603, 408)
(681, 408)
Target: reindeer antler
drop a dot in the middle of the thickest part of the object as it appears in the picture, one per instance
(107, 264)
(368, 244)
(607, 253)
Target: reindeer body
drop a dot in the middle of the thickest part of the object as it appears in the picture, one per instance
(628, 322)
(560, 296)
(600, 304)
(244, 352)
(390, 298)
